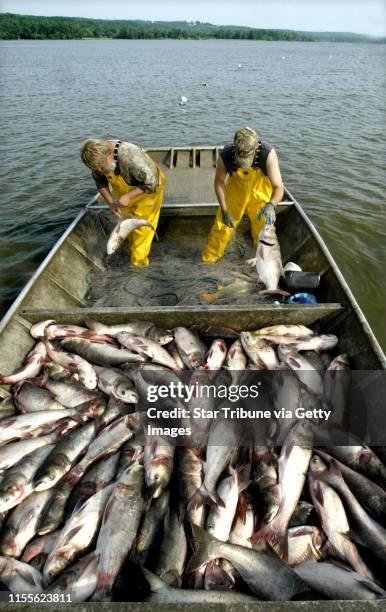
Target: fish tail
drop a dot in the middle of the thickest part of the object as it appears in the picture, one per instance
(274, 292)
(275, 534)
(173, 578)
(209, 297)
(198, 499)
(216, 577)
(203, 545)
(154, 581)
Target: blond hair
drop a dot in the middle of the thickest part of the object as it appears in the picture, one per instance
(94, 152)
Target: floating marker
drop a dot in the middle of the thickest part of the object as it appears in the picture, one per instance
(182, 100)
(240, 66)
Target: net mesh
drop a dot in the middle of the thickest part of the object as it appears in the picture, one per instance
(175, 276)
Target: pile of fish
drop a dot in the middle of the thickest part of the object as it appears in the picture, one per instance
(89, 499)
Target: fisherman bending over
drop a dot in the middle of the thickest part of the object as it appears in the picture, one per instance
(247, 180)
(131, 183)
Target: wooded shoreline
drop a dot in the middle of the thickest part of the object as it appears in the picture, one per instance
(28, 27)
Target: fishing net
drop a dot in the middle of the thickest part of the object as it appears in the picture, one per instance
(176, 274)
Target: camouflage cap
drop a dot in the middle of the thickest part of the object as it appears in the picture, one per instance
(245, 142)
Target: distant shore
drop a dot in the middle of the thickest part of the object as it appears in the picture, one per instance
(28, 27)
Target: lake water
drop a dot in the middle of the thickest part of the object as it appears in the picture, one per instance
(322, 106)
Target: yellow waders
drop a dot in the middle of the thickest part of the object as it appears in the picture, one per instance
(247, 190)
(147, 206)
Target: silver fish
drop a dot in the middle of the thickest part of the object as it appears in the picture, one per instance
(338, 582)
(100, 354)
(370, 495)
(116, 537)
(158, 463)
(324, 342)
(14, 452)
(286, 331)
(22, 523)
(68, 394)
(96, 478)
(73, 363)
(31, 367)
(163, 593)
(63, 456)
(42, 545)
(190, 478)
(147, 348)
(137, 328)
(303, 369)
(30, 398)
(107, 443)
(266, 575)
(259, 351)
(370, 533)
(268, 262)
(216, 355)
(305, 543)
(294, 460)
(76, 535)
(172, 552)
(333, 518)
(113, 382)
(191, 349)
(151, 528)
(7, 408)
(79, 581)
(20, 577)
(224, 440)
(122, 230)
(17, 482)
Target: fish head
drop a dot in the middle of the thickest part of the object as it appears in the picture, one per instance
(47, 479)
(317, 465)
(159, 335)
(157, 478)
(268, 234)
(125, 392)
(87, 377)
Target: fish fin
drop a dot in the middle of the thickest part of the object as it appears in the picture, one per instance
(181, 512)
(330, 549)
(201, 542)
(155, 583)
(304, 530)
(209, 297)
(305, 556)
(354, 537)
(198, 499)
(217, 578)
(173, 578)
(25, 574)
(275, 534)
(72, 533)
(371, 586)
(274, 292)
(318, 493)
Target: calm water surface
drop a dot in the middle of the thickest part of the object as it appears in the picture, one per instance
(322, 105)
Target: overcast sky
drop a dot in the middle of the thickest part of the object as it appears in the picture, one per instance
(362, 16)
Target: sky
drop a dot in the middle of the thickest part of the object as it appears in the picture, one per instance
(360, 16)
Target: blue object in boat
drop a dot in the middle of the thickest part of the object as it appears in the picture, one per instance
(302, 298)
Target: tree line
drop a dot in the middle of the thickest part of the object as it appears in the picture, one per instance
(28, 27)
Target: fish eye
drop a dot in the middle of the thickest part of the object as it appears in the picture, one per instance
(156, 477)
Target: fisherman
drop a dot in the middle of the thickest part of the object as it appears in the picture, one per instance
(131, 183)
(254, 186)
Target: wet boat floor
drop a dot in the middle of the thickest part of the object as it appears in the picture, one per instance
(176, 274)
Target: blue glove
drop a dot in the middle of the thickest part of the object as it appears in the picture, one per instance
(269, 211)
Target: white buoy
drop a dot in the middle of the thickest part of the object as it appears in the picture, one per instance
(283, 58)
(182, 100)
(240, 65)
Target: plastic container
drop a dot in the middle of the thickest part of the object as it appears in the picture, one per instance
(302, 298)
